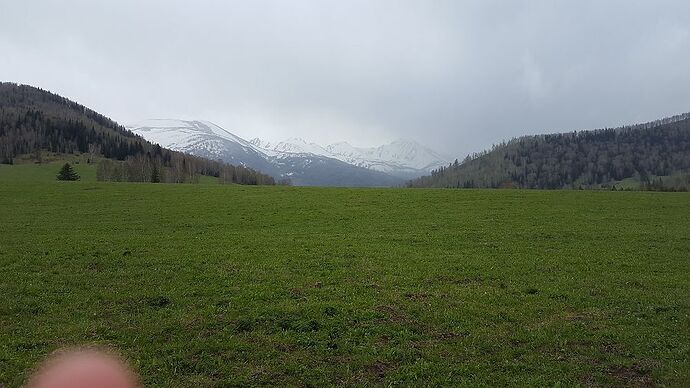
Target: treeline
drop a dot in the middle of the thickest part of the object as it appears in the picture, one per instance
(676, 182)
(182, 168)
(33, 120)
(577, 160)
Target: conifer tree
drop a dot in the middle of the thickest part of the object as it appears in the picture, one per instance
(67, 173)
(155, 174)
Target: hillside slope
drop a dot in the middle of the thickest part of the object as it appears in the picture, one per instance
(33, 121)
(296, 162)
(586, 159)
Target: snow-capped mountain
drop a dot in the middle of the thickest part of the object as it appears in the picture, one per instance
(293, 145)
(201, 138)
(302, 162)
(399, 157)
(180, 133)
(402, 158)
(302, 167)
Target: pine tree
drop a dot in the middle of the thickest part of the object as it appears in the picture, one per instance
(155, 174)
(67, 173)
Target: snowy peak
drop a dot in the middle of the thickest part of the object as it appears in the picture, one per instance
(201, 138)
(256, 142)
(400, 154)
(294, 145)
(180, 133)
(401, 159)
(342, 148)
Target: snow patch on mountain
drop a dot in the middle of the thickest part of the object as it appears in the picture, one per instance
(184, 135)
(291, 146)
(303, 161)
(401, 157)
(400, 154)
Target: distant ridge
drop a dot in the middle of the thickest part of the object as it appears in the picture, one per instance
(301, 162)
(583, 159)
(401, 158)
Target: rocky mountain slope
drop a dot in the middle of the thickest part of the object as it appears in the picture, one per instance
(301, 162)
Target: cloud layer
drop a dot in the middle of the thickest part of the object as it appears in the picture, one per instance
(455, 75)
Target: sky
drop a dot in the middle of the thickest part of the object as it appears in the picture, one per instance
(457, 76)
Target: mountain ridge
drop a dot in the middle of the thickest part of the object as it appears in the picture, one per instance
(584, 159)
(386, 165)
(33, 120)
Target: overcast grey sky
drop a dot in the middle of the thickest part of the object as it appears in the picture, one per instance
(455, 75)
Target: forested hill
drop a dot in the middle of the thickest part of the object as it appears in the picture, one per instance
(33, 121)
(644, 153)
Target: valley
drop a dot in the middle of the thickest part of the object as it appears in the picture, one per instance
(215, 285)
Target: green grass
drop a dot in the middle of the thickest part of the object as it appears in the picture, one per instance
(45, 172)
(212, 285)
(27, 170)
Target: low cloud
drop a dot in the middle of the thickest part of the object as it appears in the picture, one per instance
(455, 75)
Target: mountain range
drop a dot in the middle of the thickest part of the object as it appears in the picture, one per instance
(648, 156)
(301, 162)
(34, 121)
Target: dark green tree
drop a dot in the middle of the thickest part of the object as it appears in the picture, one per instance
(155, 174)
(67, 173)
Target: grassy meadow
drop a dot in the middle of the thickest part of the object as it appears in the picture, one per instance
(220, 285)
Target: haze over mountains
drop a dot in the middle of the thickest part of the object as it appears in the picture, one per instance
(303, 163)
(649, 156)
